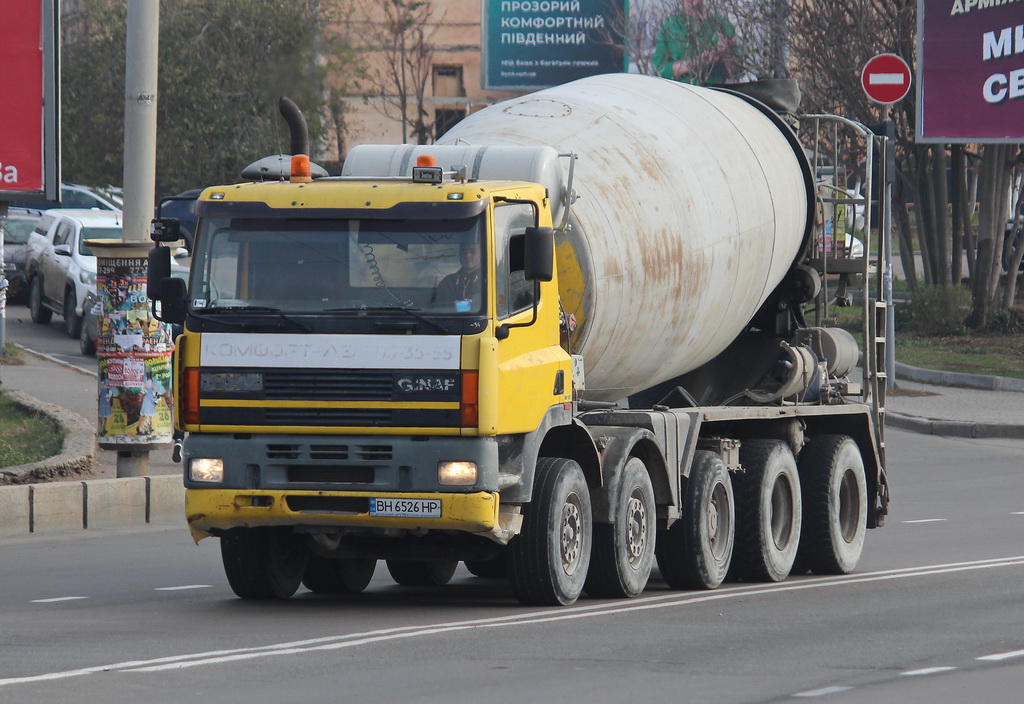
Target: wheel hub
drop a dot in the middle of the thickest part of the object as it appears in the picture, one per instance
(637, 531)
(571, 543)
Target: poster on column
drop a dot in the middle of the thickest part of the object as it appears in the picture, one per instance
(134, 351)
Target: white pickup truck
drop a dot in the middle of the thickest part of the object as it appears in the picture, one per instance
(61, 269)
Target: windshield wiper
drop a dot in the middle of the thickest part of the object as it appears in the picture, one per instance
(259, 309)
(394, 309)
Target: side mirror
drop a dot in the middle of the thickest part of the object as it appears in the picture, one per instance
(63, 250)
(165, 230)
(173, 302)
(540, 254)
(159, 269)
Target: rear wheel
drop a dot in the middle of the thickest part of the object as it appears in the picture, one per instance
(835, 504)
(345, 576)
(39, 312)
(86, 345)
(422, 573)
(768, 511)
(548, 561)
(624, 550)
(696, 551)
(72, 321)
(263, 563)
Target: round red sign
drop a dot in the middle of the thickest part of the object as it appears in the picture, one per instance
(886, 78)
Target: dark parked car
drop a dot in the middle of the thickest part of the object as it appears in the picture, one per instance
(182, 207)
(17, 226)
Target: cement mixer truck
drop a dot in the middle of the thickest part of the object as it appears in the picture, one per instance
(566, 344)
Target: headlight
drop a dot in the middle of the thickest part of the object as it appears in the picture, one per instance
(87, 277)
(456, 473)
(206, 469)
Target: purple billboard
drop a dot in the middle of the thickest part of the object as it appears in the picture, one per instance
(970, 64)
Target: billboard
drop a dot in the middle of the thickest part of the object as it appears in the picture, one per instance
(531, 44)
(29, 148)
(970, 64)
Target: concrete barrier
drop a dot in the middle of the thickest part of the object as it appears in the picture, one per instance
(61, 507)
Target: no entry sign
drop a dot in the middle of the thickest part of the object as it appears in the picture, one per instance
(886, 78)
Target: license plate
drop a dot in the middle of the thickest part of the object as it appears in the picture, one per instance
(423, 508)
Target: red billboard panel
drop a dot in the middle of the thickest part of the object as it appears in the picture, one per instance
(28, 80)
(970, 65)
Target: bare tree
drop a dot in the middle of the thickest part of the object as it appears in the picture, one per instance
(398, 36)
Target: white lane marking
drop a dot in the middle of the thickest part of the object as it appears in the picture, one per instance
(824, 691)
(926, 671)
(55, 599)
(673, 599)
(928, 520)
(182, 587)
(997, 657)
(1017, 513)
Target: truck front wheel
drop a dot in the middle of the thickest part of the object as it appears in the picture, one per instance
(695, 553)
(263, 563)
(342, 576)
(768, 511)
(548, 561)
(624, 550)
(835, 504)
(422, 573)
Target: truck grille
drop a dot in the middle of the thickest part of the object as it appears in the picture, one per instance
(327, 384)
(281, 451)
(327, 416)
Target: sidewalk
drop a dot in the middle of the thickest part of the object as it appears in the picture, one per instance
(74, 496)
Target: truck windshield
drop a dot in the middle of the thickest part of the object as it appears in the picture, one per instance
(330, 265)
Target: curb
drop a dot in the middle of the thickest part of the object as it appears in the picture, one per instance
(61, 507)
(78, 452)
(973, 381)
(42, 497)
(953, 428)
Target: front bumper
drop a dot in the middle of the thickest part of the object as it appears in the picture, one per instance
(213, 510)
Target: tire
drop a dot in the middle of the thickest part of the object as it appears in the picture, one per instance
(422, 573)
(548, 561)
(86, 345)
(768, 512)
(695, 553)
(492, 567)
(263, 563)
(835, 504)
(40, 313)
(72, 321)
(623, 553)
(345, 576)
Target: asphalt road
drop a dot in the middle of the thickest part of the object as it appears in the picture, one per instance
(933, 614)
(49, 339)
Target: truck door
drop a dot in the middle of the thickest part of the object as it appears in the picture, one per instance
(529, 359)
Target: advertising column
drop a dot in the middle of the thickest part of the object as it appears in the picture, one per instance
(134, 352)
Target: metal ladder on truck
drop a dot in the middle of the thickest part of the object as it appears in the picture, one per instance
(845, 160)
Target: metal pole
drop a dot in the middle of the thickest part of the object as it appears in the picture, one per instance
(139, 152)
(890, 314)
(3, 282)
